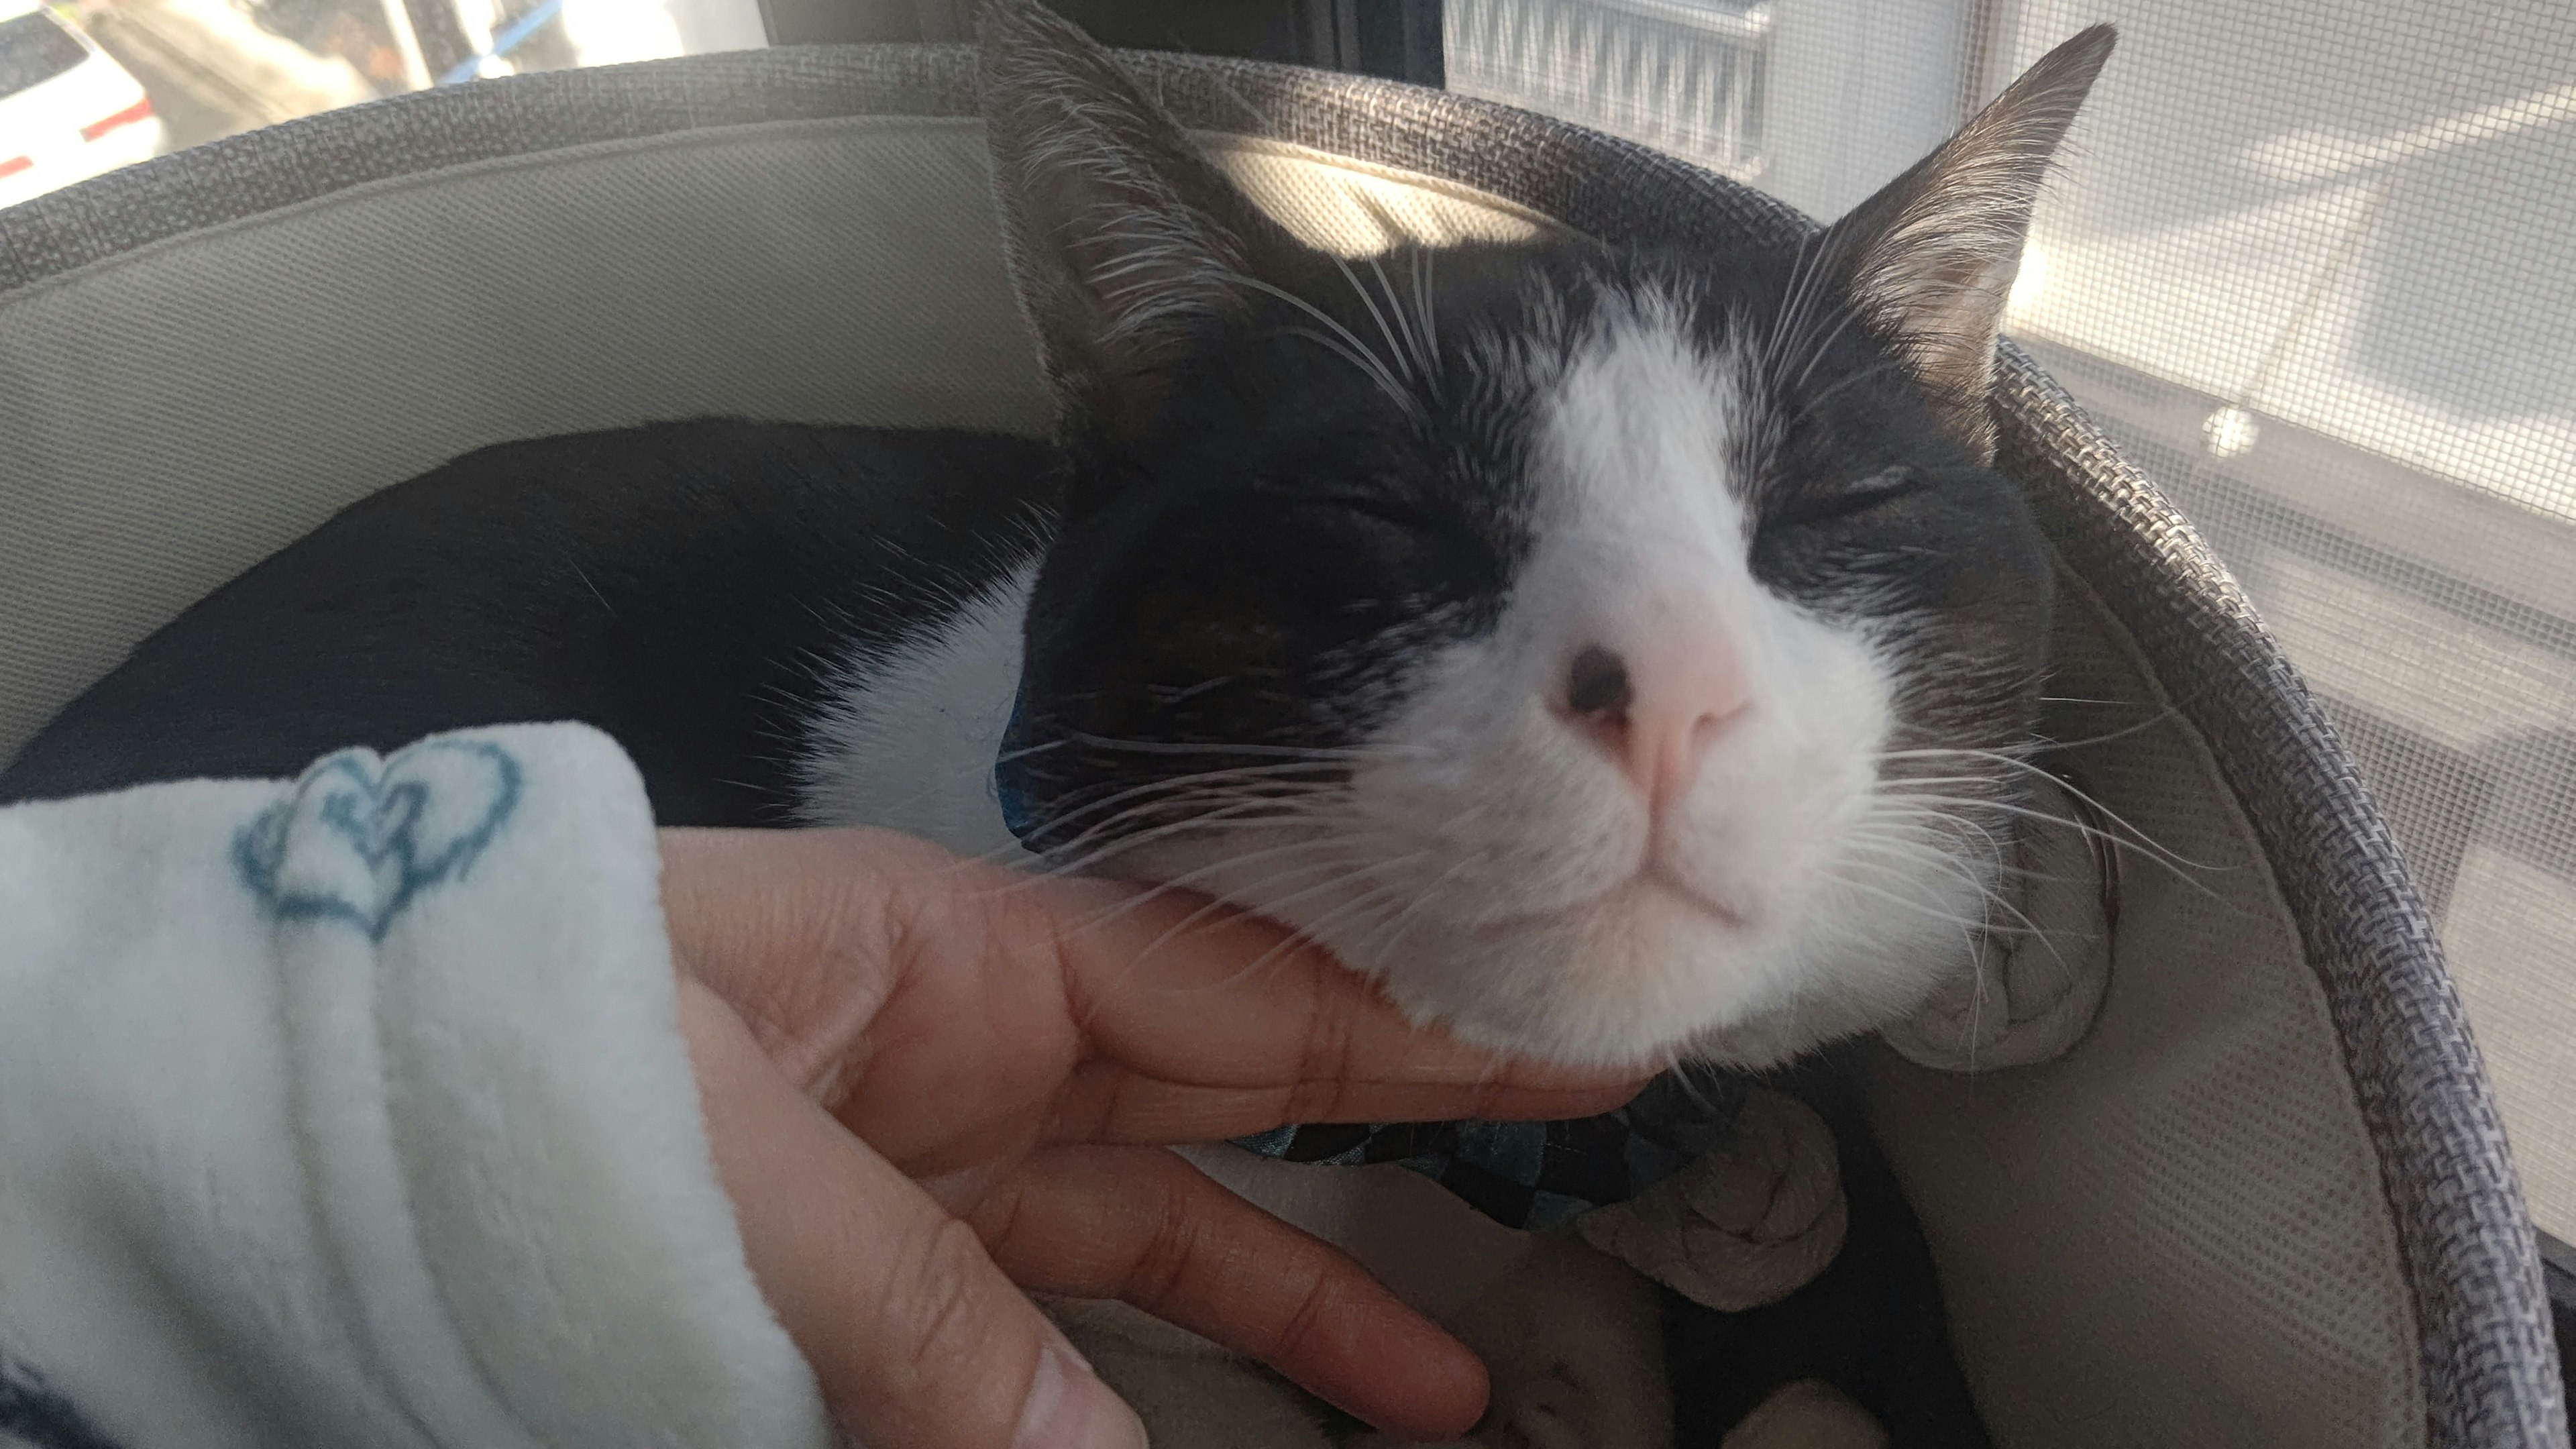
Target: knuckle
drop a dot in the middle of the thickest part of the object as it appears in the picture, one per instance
(1305, 1320)
(1160, 1270)
(943, 1306)
(1325, 1060)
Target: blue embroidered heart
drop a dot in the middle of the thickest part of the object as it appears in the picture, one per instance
(361, 838)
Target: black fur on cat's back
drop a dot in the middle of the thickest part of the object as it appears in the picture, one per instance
(689, 588)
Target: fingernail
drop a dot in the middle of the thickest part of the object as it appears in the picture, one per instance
(1070, 1409)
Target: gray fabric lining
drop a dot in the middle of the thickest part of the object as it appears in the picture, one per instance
(2163, 1233)
(2490, 1358)
(2477, 1309)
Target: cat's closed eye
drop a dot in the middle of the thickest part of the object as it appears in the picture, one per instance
(1390, 507)
(1393, 512)
(1847, 500)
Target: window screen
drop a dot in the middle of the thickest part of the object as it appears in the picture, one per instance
(2313, 264)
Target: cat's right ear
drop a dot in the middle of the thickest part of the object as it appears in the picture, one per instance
(1929, 261)
(1125, 241)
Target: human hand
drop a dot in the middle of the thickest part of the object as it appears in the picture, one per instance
(931, 1084)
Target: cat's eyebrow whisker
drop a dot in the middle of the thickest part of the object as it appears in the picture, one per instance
(1858, 375)
(1770, 349)
(1331, 323)
(1403, 323)
(1377, 374)
(1349, 344)
(1806, 284)
(1820, 346)
(1799, 261)
(1399, 362)
(1166, 696)
(1419, 328)
(1423, 289)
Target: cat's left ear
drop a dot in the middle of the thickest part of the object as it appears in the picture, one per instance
(1930, 259)
(1126, 243)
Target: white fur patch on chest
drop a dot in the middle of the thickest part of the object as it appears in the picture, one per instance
(908, 740)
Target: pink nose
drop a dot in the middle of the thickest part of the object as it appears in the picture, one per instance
(1656, 711)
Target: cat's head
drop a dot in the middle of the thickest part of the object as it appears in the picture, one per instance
(1613, 654)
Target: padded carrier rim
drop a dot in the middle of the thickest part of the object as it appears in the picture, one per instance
(2489, 1366)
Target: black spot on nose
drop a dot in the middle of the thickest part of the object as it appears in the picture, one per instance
(1599, 683)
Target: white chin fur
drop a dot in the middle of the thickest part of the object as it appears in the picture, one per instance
(1638, 977)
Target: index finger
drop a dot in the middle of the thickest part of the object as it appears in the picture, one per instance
(950, 1012)
(1202, 1023)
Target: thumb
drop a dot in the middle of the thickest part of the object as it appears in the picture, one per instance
(916, 1338)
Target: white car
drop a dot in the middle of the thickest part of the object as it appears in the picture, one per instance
(67, 111)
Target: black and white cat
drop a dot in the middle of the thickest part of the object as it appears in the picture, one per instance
(1616, 655)
(1570, 638)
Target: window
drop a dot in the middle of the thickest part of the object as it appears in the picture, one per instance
(1685, 78)
(34, 49)
(183, 72)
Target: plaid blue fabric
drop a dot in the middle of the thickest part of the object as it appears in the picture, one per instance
(1536, 1175)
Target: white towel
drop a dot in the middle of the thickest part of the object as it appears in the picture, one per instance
(354, 1111)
